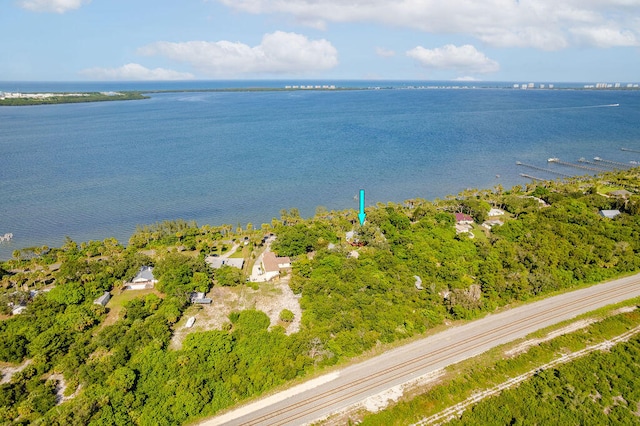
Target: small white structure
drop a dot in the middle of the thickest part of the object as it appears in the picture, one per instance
(495, 212)
(190, 322)
(18, 310)
(488, 224)
(200, 298)
(609, 214)
(463, 227)
(144, 279)
(418, 283)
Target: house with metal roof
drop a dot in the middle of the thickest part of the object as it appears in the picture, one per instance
(143, 279)
(218, 262)
(103, 300)
(463, 219)
(609, 214)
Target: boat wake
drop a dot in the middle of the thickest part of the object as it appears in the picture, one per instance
(593, 106)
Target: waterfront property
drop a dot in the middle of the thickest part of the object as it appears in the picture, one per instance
(482, 145)
(463, 219)
(144, 279)
(272, 265)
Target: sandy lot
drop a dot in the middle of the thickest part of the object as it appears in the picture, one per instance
(271, 298)
(8, 370)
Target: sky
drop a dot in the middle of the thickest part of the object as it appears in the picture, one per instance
(466, 40)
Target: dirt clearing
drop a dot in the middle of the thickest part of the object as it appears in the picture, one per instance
(270, 298)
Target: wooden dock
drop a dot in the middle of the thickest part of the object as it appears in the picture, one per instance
(542, 169)
(629, 150)
(615, 163)
(524, 175)
(578, 166)
(603, 167)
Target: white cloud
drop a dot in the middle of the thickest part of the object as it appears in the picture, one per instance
(278, 53)
(466, 78)
(465, 59)
(542, 24)
(57, 6)
(130, 72)
(385, 53)
(605, 36)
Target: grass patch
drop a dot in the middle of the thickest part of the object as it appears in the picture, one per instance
(605, 189)
(117, 302)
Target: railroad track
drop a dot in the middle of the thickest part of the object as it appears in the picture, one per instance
(443, 349)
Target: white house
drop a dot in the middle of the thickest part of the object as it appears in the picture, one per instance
(272, 264)
(144, 279)
(495, 212)
(488, 224)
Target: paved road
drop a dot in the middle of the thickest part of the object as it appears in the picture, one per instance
(355, 383)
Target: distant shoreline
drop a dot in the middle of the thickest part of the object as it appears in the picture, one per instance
(27, 99)
(32, 98)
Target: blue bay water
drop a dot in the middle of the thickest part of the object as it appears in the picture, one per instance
(96, 170)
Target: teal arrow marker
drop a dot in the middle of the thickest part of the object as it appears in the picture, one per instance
(362, 215)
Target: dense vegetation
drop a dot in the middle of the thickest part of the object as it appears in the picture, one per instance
(602, 388)
(606, 379)
(358, 287)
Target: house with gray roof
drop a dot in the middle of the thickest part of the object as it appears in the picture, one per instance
(143, 279)
(200, 298)
(103, 300)
(218, 262)
(620, 193)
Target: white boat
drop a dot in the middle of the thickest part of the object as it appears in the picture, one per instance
(190, 322)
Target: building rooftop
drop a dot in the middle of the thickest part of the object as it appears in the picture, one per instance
(218, 262)
(144, 274)
(610, 214)
(273, 263)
